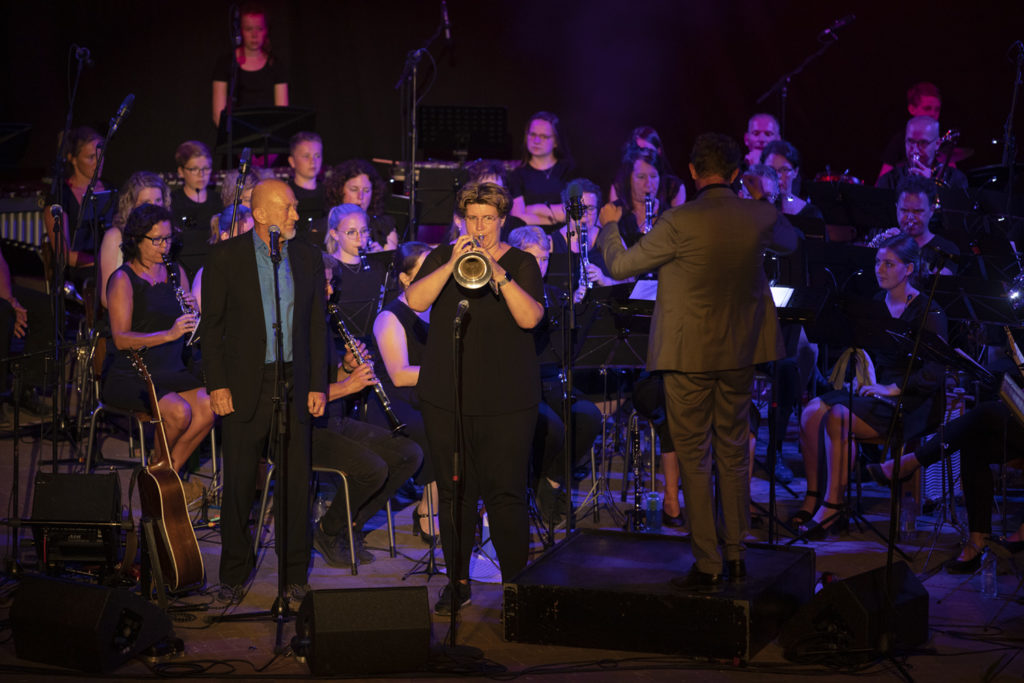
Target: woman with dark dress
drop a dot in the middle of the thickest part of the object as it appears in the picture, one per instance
(262, 80)
(647, 137)
(639, 176)
(400, 334)
(536, 185)
(500, 387)
(145, 314)
(896, 264)
(357, 182)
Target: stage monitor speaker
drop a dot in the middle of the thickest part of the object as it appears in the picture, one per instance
(83, 626)
(848, 616)
(64, 499)
(364, 630)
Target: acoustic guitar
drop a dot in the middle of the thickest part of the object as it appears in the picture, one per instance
(163, 501)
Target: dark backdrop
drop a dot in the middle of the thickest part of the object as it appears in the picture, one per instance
(682, 66)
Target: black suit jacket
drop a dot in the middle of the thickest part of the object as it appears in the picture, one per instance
(233, 333)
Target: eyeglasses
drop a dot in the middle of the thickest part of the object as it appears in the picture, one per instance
(486, 220)
(357, 233)
(785, 170)
(590, 209)
(199, 170)
(159, 241)
(359, 191)
(920, 143)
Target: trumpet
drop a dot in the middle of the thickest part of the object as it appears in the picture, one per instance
(397, 427)
(174, 278)
(472, 269)
(648, 214)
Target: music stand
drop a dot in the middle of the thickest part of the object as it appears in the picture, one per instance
(975, 300)
(13, 143)
(266, 128)
(865, 208)
(460, 133)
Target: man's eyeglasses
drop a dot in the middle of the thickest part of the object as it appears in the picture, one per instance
(920, 143)
(199, 170)
(159, 241)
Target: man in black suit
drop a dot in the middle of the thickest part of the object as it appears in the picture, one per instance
(239, 351)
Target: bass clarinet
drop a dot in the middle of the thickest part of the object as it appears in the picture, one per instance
(174, 278)
(397, 428)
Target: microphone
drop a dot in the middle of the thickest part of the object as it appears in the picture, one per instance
(122, 112)
(82, 54)
(574, 208)
(275, 244)
(236, 26)
(830, 32)
(56, 210)
(460, 311)
(444, 21)
(244, 162)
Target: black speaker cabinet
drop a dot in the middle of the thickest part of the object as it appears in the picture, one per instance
(365, 630)
(83, 626)
(849, 615)
(76, 517)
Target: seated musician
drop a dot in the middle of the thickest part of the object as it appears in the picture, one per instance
(896, 265)
(141, 188)
(537, 183)
(243, 224)
(785, 159)
(648, 138)
(549, 437)
(979, 436)
(639, 177)
(357, 182)
(921, 146)
(375, 462)
(761, 129)
(82, 154)
(193, 205)
(358, 281)
(914, 209)
(306, 158)
(146, 313)
(923, 99)
(400, 334)
(595, 259)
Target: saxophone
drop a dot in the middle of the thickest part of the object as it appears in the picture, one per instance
(174, 278)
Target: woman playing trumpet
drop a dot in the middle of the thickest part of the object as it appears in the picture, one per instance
(500, 386)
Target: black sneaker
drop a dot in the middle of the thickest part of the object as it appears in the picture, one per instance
(550, 502)
(443, 606)
(334, 549)
(296, 592)
(230, 594)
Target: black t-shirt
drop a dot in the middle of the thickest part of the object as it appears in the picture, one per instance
(500, 373)
(540, 187)
(192, 215)
(933, 259)
(254, 88)
(312, 225)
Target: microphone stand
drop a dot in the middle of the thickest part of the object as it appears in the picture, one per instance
(229, 106)
(243, 171)
(568, 330)
(455, 562)
(782, 85)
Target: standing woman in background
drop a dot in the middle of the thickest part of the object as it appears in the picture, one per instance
(536, 185)
(262, 78)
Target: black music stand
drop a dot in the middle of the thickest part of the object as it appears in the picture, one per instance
(975, 300)
(263, 128)
(863, 207)
(460, 133)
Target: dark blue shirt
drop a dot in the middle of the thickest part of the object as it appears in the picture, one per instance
(265, 268)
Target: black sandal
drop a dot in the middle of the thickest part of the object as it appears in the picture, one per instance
(803, 516)
(816, 531)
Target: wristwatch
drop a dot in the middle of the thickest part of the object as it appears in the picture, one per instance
(504, 281)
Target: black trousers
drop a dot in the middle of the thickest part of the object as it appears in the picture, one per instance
(982, 435)
(375, 463)
(409, 414)
(549, 438)
(494, 468)
(245, 442)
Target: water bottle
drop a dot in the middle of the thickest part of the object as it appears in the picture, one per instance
(319, 507)
(653, 511)
(989, 586)
(908, 518)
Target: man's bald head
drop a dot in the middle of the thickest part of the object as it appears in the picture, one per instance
(922, 139)
(274, 203)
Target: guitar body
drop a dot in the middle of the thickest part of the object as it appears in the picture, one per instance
(163, 502)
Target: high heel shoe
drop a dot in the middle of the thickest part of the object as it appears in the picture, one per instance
(956, 566)
(417, 530)
(803, 516)
(879, 477)
(832, 524)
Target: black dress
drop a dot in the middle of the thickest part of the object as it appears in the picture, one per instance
(540, 187)
(254, 88)
(154, 309)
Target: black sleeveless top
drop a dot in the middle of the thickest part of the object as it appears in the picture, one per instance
(416, 343)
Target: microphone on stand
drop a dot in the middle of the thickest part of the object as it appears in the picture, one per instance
(275, 244)
(574, 208)
(56, 210)
(447, 24)
(830, 32)
(236, 26)
(460, 311)
(243, 163)
(122, 112)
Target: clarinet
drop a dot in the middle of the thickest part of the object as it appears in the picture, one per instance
(397, 428)
(639, 513)
(174, 278)
(581, 237)
(363, 260)
(648, 214)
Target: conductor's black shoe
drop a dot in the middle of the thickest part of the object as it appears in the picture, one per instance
(463, 596)
(736, 570)
(697, 580)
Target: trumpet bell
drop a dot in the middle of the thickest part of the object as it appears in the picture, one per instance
(472, 270)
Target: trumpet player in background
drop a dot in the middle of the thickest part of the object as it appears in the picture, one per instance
(501, 290)
(921, 144)
(146, 312)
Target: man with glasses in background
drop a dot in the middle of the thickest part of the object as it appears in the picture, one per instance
(921, 144)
